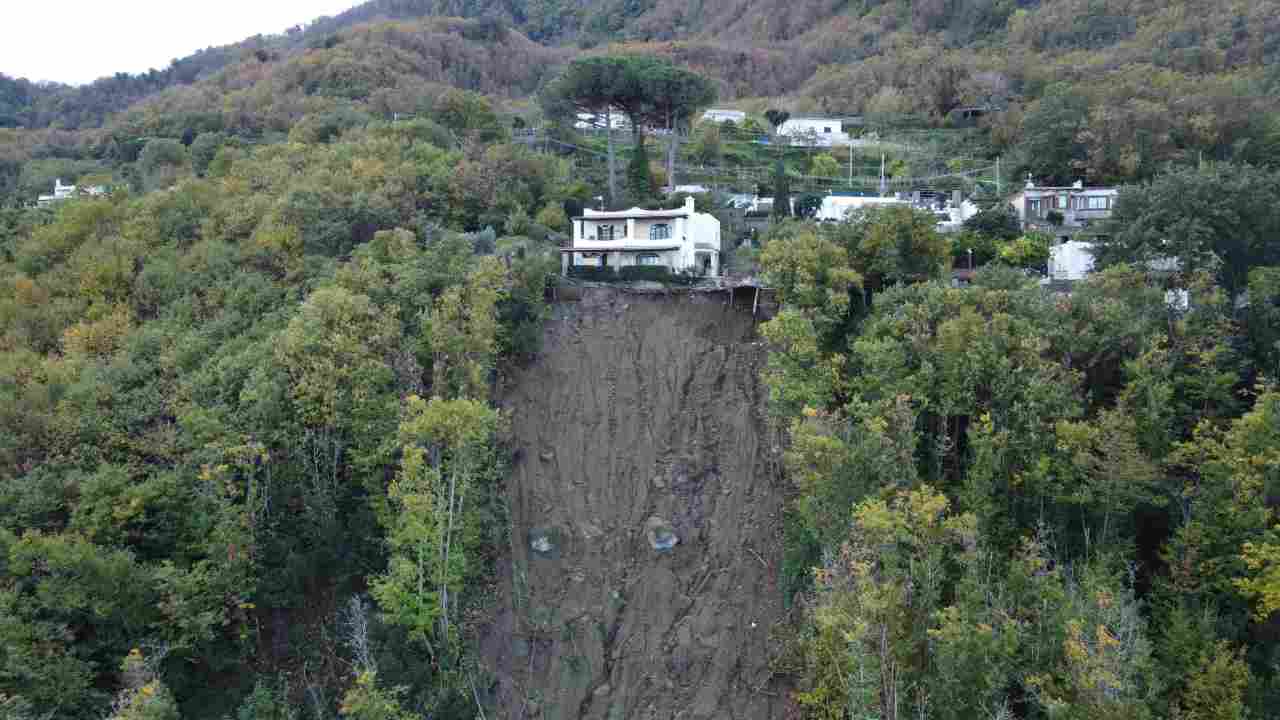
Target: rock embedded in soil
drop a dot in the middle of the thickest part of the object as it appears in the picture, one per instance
(545, 542)
(662, 537)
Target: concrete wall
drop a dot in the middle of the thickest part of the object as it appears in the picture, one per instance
(1072, 260)
(838, 207)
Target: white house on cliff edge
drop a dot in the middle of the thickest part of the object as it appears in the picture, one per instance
(682, 240)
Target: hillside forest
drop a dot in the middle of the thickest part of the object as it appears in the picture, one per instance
(253, 459)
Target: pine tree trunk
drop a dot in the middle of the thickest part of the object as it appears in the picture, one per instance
(613, 173)
(672, 145)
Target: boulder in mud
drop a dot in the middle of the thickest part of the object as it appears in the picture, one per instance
(545, 542)
(662, 537)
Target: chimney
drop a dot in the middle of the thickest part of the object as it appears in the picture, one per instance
(955, 198)
(689, 205)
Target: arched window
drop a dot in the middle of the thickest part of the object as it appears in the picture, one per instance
(660, 232)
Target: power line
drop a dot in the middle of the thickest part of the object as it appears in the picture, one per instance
(754, 173)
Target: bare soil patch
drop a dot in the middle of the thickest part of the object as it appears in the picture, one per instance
(642, 578)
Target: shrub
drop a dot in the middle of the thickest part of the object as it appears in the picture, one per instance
(591, 272)
(654, 273)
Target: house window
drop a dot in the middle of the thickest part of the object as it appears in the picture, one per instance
(1062, 202)
(1097, 203)
(604, 233)
(1033, 207)
(826, 129)
(660, 232)
(648, 260)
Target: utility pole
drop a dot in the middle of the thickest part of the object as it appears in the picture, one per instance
(998, 195)
(850, 164)
(884, 188)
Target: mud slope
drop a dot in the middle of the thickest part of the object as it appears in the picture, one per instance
(641, 407)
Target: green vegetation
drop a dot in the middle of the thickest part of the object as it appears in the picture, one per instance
(249, 462)
(648, 91)
(231, 406)
(1022, 504)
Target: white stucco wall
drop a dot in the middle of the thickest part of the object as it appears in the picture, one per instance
(838, 207)
(798, 128)
(1072, 260)
(721, 115)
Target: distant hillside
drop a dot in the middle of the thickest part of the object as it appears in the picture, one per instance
(1108, 90)
(39, 105)
(823, 53)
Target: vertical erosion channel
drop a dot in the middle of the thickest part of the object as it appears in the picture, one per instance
(642, 580)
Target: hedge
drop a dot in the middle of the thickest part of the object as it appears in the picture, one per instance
(633, 273)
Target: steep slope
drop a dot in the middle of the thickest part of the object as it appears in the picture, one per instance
(643, 415)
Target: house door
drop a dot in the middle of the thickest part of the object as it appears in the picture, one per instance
(604, 260)
(705, 266)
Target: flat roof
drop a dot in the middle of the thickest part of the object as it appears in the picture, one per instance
(630, 214)
(826, 118)
(621, 248)
(1072, 188)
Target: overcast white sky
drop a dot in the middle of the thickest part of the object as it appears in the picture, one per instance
(78, 41)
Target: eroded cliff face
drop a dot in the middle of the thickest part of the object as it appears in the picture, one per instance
(641, 424)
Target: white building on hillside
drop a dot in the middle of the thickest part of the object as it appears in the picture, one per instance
(1071, 260)
(1066, 211)
(691, 189)
(720, 115)
(817, 131)
(616, 119)
(66, 192)
(952, 217)
(836, 208)
(681, 240)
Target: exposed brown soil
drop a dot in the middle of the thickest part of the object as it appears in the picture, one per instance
(643, 416)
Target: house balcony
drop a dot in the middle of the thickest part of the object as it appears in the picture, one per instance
(621, 244)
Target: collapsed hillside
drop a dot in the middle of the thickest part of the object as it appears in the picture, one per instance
(645, 517)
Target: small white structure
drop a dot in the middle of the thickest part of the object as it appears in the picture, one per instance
(1071, 260)
(720, 115)
(1177, 299)
(817, 131)
(615, 119)
(691, 189)
(66, 192)
(681, 240)
(836, 208)
(956, 215)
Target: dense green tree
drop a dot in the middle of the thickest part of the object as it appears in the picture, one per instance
(894, 246)
(640, 186)
(1051, 129)
(674, 95)
(707, 146)
(203, 150)
(648, 90)
(781, 191)
(599, 87)
(998, 222)
(162, 163)
(1215, 219)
